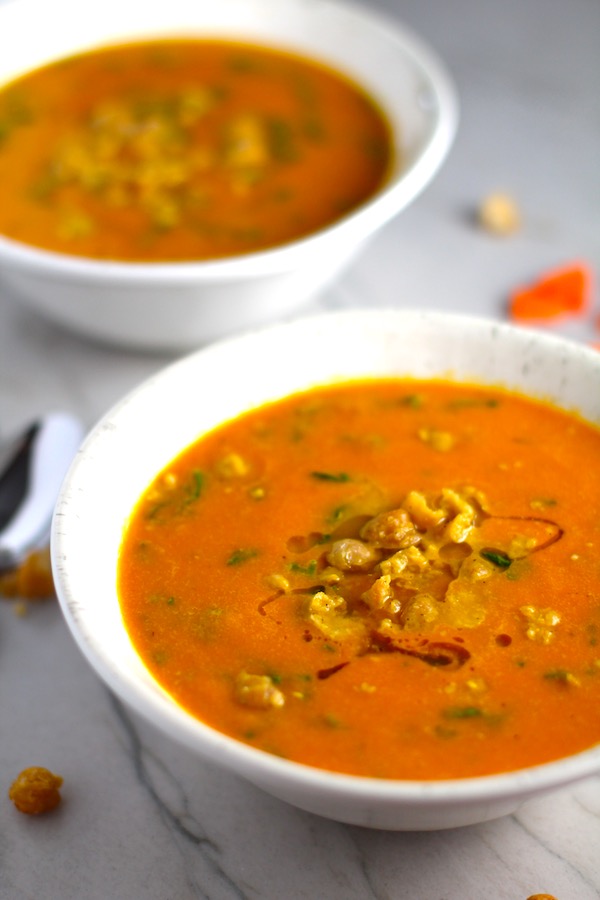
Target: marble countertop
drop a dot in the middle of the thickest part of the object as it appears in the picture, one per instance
(141, 817)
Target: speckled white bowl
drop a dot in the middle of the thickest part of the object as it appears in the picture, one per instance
(176, 306)
(153, 424)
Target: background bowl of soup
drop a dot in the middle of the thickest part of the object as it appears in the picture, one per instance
(409, 722)
(173, 205)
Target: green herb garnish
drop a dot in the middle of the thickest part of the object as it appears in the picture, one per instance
(309, 569)
(281, 140)
(592, 634)
(463, 712)
(331, 721)
(558, 675)
(242, 64)
(470, 402)
(338, 477)
(242, 555)
(313, 129)
(414, 401)
(498, 557)
(445, 734)
(194, 488)
(337, 514)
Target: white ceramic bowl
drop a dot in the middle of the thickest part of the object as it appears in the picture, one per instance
(147, 429)
(178, 306)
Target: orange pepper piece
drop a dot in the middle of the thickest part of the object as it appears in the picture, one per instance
(564, 292)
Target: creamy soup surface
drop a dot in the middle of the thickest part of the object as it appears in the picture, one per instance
(388, 578)
(184, 150)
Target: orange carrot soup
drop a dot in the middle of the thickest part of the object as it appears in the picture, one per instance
(184, 150)
(388, 578)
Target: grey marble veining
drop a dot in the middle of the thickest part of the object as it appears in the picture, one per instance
(141, 817)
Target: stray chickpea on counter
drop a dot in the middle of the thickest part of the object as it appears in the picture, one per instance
(499, 214)
(36, 790)
(31, 580)
(558, 294)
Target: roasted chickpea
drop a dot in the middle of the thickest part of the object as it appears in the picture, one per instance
(35, 791)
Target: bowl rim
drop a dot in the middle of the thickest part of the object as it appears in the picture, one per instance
(397, 190)
(248, 761)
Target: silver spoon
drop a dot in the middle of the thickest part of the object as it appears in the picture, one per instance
(32, 467)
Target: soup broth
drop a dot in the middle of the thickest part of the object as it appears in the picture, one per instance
(184, 150)
(386, 578)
